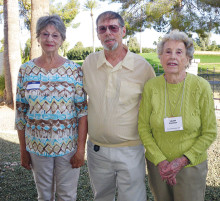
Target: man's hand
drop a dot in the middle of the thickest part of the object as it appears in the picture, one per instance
(78, 159)
(25, 159)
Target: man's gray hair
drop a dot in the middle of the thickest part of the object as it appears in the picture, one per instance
(110, 15)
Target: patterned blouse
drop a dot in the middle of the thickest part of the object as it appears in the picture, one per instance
(48, 107)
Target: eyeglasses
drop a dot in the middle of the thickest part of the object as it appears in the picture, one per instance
(45, 35)
(112, 29)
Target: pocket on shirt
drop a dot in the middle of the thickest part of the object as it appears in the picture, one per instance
(129, 92)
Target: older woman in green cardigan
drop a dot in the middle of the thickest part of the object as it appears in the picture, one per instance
(177, 124)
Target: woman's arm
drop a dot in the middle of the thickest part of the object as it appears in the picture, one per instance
(24, 154)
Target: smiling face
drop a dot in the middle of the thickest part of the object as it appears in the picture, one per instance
(174, 59)
(50, 39)
(109, 39)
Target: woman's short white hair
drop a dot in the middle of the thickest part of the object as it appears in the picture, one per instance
(178, 36)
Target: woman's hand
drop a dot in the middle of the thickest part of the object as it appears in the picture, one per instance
(162, 168)
(25, 159)
(169, 173)
(78, 159)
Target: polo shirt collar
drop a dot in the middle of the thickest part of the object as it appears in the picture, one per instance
(128, 61)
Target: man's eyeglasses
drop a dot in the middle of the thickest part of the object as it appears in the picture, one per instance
(45, 35)
(112, 29)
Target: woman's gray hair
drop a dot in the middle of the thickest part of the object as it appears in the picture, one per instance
(54, 20)
(178, 36)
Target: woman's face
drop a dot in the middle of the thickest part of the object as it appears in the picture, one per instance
(50, 39)
(174, 59)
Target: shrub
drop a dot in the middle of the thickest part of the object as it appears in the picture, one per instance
(2, 85)
(144, 50)
(80, 53)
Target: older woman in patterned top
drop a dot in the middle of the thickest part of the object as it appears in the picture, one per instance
(51, 115)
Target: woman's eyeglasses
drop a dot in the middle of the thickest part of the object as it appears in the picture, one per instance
(112, 29)
(45, 35)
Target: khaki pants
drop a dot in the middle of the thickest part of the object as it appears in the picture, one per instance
(52, 173)
(122, 168)
(191, 183)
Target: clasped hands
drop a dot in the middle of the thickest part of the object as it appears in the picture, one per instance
(169, 170)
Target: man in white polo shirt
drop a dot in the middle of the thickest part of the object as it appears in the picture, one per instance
(114, 79)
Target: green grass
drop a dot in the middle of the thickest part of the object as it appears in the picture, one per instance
(17, 183)
(206, 62)
(209, 62)
(208, 58)
(80, 62)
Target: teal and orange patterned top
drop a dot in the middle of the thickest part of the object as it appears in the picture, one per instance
(48, 107)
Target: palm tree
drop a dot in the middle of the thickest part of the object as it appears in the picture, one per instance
(12, 54)
(90, 5)
(38, 9)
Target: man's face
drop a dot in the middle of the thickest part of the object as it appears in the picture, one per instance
(110, 33)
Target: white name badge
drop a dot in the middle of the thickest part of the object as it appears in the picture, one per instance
(33, 85)
(173, 124)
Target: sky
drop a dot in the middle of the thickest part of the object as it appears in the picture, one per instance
(83, 32)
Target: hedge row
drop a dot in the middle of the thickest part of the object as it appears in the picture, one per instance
(82, 52)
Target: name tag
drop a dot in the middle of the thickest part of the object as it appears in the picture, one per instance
(33, 85)
(173, 124)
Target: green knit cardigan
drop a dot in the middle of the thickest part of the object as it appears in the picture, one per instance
(198, 115)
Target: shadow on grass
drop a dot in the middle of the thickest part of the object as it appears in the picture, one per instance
(17, 184)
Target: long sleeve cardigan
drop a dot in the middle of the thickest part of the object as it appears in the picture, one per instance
(198, 114)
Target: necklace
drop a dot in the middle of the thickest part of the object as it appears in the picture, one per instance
(173, 111)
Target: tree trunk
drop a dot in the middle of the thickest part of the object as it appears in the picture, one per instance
(93, 32)
(38, 9)
(12, 54)
(140, 42)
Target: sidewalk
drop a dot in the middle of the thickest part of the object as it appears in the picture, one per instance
(7, 119)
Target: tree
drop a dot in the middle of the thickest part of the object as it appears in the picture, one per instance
(26, 51)
(38, 9)
(12, 55)
(133, 43)
(2, 47)
(67, 12)
(91, 5)
(198, 16)
(64, 48)
(204, 41)
(25, 12)
(78, 45)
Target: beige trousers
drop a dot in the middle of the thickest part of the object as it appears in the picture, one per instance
(191, 184)
(122, 168)
(55, 174)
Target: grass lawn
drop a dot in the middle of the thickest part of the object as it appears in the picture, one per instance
(206, 62)
(17, 184)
